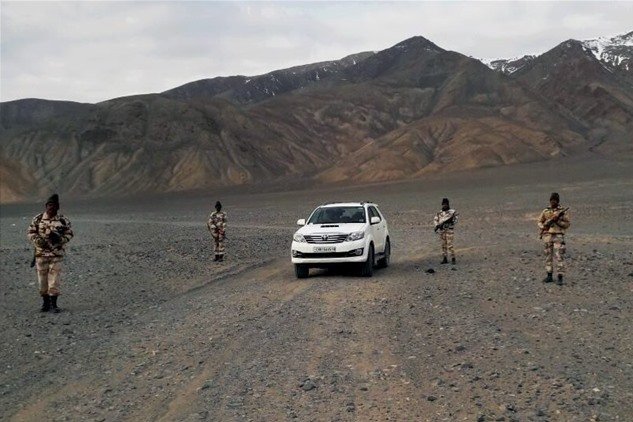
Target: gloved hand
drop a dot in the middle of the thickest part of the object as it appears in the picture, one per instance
(39, 241)
(55, 238)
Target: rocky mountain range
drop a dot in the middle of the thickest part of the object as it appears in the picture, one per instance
(614, 52)
(593, 80)
(399, 113)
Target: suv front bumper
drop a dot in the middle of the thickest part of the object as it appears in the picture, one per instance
(309, 253)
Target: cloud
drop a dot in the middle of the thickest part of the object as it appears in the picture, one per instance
(93, 51)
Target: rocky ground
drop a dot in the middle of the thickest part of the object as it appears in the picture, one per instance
(152, 329)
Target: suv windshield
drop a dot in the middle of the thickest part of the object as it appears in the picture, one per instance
(327, 215)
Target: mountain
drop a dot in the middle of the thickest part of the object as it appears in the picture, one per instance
(247, 90)
(592, 81)
(616, 52)
(417, 108)
(153, 144)
(398, 113)
(509, 66)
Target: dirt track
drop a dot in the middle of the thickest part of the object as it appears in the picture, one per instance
(153, 330)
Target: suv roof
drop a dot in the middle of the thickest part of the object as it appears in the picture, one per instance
(347, 204)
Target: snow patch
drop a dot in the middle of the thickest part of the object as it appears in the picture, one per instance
(508, 66)
(614, 51)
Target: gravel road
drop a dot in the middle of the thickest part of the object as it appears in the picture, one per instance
(153, 329)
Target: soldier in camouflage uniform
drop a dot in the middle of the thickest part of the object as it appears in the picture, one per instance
(445, 221)
(553, 222)
(217, 227)
(49, 232)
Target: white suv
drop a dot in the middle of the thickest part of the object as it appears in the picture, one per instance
(342, 233)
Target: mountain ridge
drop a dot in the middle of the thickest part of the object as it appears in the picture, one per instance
(398, 113)
(615, 51)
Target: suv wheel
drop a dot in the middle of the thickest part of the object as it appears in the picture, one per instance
(384, 261)
(367, 267)
(302, 270)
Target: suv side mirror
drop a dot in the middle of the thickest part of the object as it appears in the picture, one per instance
(375, 220)
(301, 222)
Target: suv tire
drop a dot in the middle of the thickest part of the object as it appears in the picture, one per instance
(302, 271)
(367, 267)
(384, 261)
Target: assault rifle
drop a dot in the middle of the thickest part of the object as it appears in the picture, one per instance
(221, 233)
(552, 221)
(55, 238)
(445, 222)
(37, 243)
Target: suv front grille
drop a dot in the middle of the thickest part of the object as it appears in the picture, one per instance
(326, 238)
(328, 255)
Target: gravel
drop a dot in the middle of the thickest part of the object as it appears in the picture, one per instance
(152, 328)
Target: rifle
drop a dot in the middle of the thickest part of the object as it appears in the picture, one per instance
(221, 233)
(55, 238)
(35, 249)
(38, 219)
(445, 222)
(551, 221)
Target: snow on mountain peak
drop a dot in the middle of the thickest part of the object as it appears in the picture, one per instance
(616, 51)
(508, 66)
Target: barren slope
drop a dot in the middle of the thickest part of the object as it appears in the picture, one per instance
(598, 94)
(403, 112)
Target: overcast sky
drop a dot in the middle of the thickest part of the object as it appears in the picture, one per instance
(93, 51)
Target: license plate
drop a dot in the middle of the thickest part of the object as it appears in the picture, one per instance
(324, 249)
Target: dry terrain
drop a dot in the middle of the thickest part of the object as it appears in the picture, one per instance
(397, 114)
(152, 329)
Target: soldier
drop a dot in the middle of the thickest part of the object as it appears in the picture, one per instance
(445, 221)
(49, 232)
(553, 222)
(217, 226)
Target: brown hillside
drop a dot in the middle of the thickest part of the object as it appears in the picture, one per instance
(600, 97)
(398, 113)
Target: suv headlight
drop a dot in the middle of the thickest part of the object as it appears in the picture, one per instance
(355, 236)
(299, 238)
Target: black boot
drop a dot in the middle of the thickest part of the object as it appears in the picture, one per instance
(444, 261)
(217, 258)
(453, 261)
(560, 280)
(221, 258)
(46, 303)
(54, 305)
(548, 279)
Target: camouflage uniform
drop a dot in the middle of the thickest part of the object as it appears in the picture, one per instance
(217, 227)
(446, 231)
(554, 238)
(49, 235)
